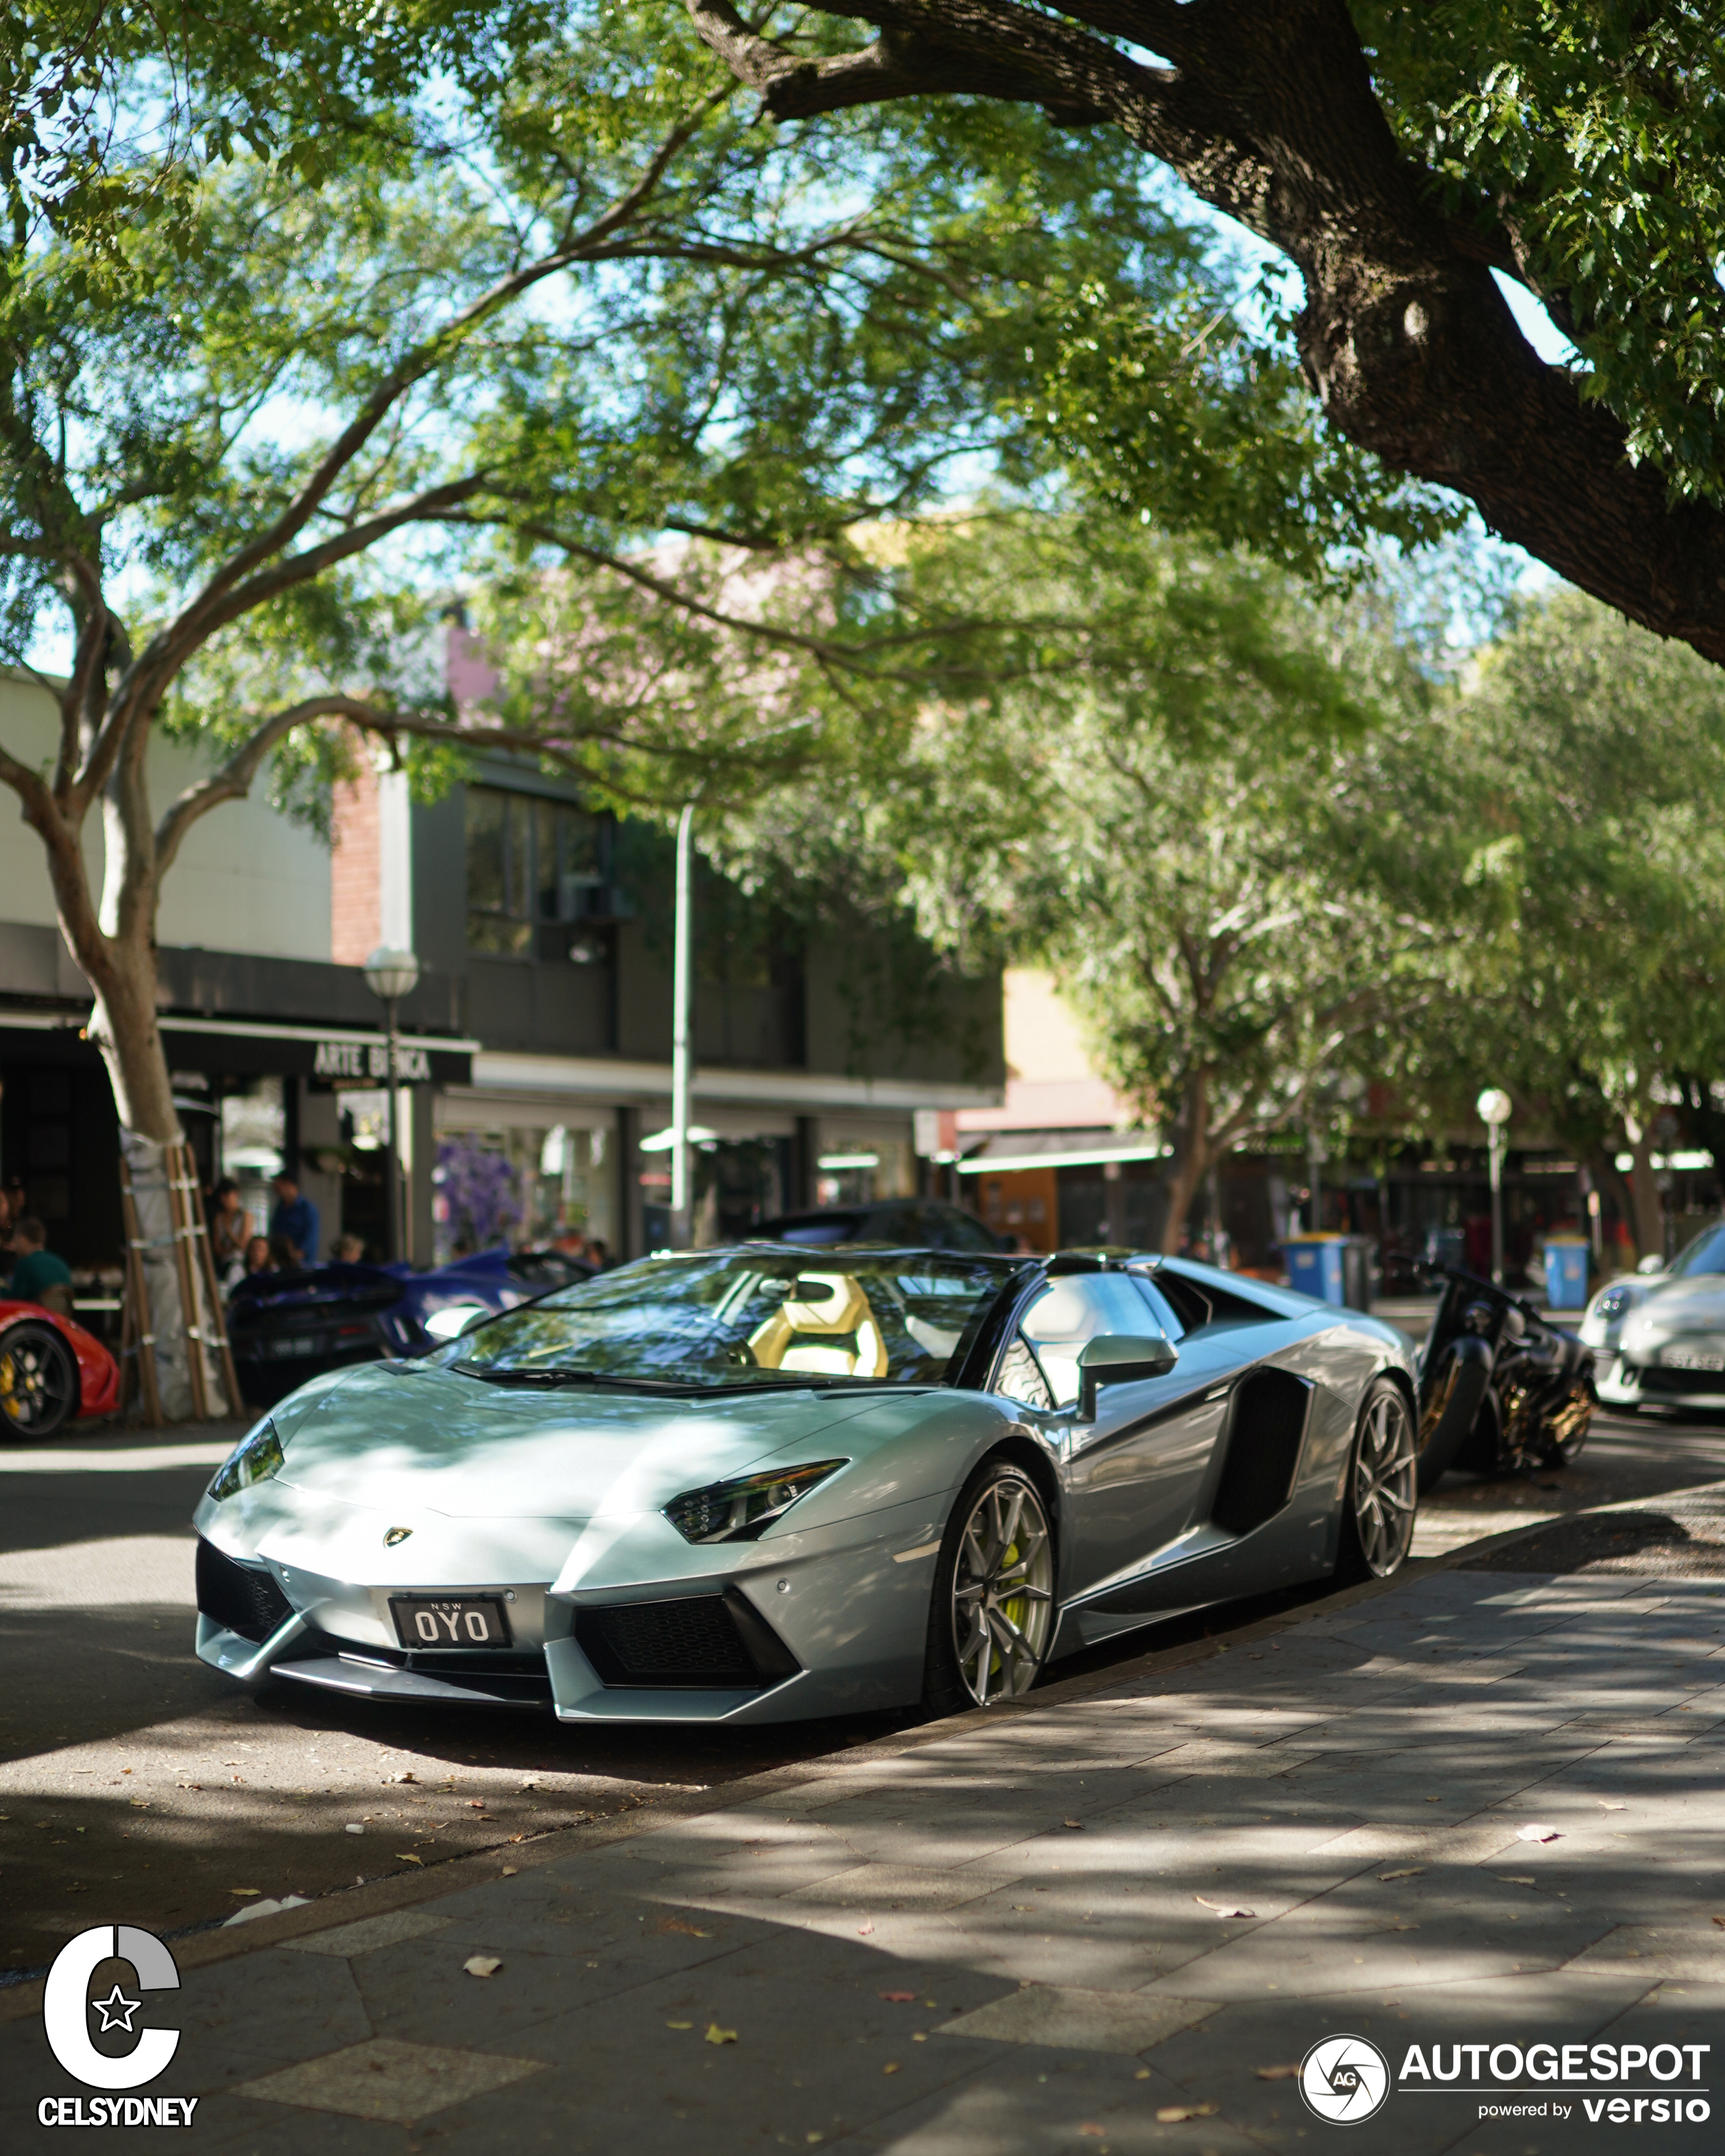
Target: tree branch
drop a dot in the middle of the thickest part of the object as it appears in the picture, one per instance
(907, 60)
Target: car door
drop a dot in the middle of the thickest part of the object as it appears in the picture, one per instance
(1133, 1474)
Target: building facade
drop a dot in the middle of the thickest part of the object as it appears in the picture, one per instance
(537, 1066)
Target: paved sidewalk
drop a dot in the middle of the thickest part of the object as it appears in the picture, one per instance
(1107, 1922)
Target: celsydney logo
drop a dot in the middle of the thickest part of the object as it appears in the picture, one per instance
(66, 2009)
(1344, 2079)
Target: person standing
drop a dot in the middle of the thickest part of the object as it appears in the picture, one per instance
(39, 1275)
(230, 1228)
(295, 1221)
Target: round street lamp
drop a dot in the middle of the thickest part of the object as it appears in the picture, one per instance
(390, 975)
(1495, 1109)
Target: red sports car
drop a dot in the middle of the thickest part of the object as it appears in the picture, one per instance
(51, 1370)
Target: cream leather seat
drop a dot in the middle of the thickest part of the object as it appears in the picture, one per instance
(825, 1326)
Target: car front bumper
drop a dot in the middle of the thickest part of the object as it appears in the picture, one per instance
(799, 1626)
(1622, 1383)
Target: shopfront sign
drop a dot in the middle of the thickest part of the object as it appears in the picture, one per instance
(369, 1062)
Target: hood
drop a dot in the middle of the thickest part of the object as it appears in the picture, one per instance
(414, 1436)
(1680, 1306)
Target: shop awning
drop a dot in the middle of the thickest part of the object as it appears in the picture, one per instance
(1008, 1151)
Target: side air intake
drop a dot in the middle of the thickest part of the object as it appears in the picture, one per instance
(1266, 1431)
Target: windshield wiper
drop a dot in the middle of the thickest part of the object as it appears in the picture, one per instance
(560, 1374)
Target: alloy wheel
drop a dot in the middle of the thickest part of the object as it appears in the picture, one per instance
(1384, 1494)
(37, 1381)
(1003, 1591)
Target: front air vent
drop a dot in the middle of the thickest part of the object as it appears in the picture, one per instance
(696, 1642)
(1266, 1429)
(240, 1597)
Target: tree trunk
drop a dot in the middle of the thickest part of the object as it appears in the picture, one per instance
(1193, 1155)
(115, 952)
(124, 1027)
(1650, 1206)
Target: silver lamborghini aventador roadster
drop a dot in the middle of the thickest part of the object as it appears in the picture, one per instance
(760, 1482)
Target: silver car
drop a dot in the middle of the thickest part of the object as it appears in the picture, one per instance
(762, 1482)
(1659, 1336)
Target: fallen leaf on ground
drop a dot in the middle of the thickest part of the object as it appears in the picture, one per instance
(1079, 1823)
(899, 1998)
(677, 1924)
(1142, 2074)
(1521, 1879)
(1410, 1871)
(1720, 1922)
(716, 2035)
(1171, 2114)
(1607, 1807)
(1095, 2131)
(404, 1778)
(891, 2067)
(680, 2024)
(863, 1930)
(509, 1872)
(482, 1965)
(1276, 2073)
(406, 1857)
(353, 1827)
(1535, 1832)
(1223, 1909)
(245, 1890)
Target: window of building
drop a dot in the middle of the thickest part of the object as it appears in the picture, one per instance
(529, 861)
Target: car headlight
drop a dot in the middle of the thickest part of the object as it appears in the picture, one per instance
(737, 1511)
(1613, 1303)
(254, 1459)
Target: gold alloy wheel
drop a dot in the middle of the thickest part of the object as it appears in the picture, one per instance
(1382, 1483)
(1003, 1591)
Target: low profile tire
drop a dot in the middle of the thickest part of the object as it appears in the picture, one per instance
(1382, 1494)
(38, 1381)
(1452, 1406)
(991, 1618)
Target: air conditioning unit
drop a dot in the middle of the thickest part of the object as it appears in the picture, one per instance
(590, 898)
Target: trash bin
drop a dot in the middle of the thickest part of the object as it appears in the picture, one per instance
(1334, 1268)
(1566, 1273)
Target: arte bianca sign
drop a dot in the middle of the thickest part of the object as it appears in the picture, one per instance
(369, 1061)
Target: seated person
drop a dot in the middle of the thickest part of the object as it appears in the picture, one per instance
(38, 1274)
(350, 1249)
(825, 1326)
(258, 1259)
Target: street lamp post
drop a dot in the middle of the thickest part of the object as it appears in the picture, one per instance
(1495, 1107)
(390, 975)
(682, 1068)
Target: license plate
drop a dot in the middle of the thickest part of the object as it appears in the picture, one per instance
(1690, 1359)
(450, 1621)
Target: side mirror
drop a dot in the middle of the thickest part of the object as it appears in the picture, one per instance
(1651, 1265)
(450, 1324)
(1118, 1358)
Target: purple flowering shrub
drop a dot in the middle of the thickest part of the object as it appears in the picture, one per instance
(480, 1194)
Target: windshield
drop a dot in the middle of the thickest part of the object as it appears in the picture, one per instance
(748, 1316)
(1706, 1254)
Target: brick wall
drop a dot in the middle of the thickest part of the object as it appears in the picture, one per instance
(356, 920)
